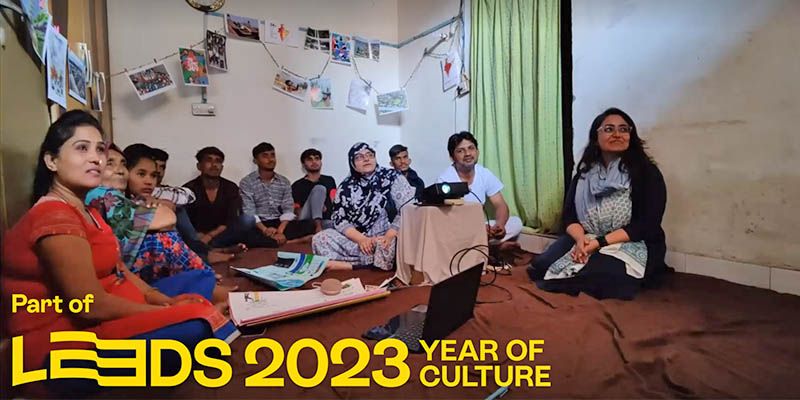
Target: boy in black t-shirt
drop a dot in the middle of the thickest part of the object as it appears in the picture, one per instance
(313, 193)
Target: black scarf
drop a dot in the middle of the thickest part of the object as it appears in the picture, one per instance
(361, 198)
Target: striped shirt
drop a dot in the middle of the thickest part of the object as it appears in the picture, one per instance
(174, 194)
(267, 200)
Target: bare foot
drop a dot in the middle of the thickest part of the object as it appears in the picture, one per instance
(220, 294)
(300, 240)
(215, 256)
(334, 265)
(236, 249)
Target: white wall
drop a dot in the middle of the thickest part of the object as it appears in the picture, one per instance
(713, 87)
(433, 115)
(249, 110)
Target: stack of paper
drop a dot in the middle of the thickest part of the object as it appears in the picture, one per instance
(253, 308)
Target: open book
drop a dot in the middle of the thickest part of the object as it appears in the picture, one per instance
(290, 271)
(253, 308)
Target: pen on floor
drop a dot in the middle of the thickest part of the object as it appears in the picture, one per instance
(498, 393)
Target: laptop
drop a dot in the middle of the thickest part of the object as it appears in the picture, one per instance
(450, 305)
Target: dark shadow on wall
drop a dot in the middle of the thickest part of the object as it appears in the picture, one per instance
(567, 96)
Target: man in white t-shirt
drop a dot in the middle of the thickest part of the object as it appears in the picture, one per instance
(463, 148)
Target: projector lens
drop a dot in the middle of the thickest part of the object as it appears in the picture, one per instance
(445, 188)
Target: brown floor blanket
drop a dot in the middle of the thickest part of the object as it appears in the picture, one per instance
(695, 337)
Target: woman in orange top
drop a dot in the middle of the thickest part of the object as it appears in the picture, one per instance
(61, 248)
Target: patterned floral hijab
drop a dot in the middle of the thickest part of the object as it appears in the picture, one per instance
(128, 220)
(361, 198)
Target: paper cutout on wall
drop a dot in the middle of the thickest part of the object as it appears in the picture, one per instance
(193, 67)
(243, 27)
(358, 97)
(279, 33)
(290, 84)
(216, 45)
(151, 80)
(77, 77)
(451, 70)
(321, 94)
(56, 56)
(392, 102)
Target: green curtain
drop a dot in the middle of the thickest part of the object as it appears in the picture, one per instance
(515, 106)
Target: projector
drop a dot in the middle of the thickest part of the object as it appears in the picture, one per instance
(437, 193)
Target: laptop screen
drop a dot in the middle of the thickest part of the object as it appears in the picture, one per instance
(451, 303)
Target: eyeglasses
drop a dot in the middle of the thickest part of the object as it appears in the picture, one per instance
(364, 156)
(621, 129)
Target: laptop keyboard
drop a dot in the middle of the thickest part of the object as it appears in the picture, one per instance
(411, 335)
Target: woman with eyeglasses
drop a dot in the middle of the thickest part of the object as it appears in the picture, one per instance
(612, 214)
(365, 230)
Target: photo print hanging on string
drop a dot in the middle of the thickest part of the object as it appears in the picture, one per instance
(216, 49)
(290, 84)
